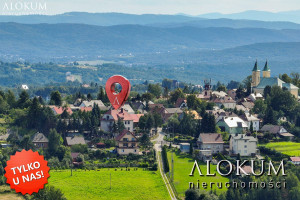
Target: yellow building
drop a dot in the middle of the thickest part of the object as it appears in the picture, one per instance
(127, 143)
(258, 83)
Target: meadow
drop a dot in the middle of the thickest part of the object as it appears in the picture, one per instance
(182, 168)
(288, 148)
(96, 184)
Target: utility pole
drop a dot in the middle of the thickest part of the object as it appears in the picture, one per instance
(172, 178)
(71, 165)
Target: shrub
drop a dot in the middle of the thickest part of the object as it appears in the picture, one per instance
(165, 159)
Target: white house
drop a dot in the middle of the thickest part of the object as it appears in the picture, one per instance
(248, 119)
(112, 116)
(242, 144)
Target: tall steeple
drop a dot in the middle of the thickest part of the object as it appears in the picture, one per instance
(255, 68)
(266, 71)
(255, 75)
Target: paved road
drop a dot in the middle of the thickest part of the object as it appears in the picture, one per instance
(159, 140)
(158, 146)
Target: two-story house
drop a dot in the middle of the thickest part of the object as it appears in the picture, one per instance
(209, 144)
(242, 144)
(127, 143)
(112, 116)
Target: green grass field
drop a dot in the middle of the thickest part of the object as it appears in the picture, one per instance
(288, 148)
(182, 168)
(96, 184)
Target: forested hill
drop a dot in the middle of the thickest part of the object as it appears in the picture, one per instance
(74, 40)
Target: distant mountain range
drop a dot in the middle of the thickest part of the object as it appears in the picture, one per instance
(75, 40)
(99, 19)
(175, 46)
(291, 16)
(111, 19)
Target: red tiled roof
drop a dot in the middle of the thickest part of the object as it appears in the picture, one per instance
(136, 117)
(295, 159)
(123, 114)
(86, 109)
(60, 110)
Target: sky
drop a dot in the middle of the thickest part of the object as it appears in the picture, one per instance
(191, 7)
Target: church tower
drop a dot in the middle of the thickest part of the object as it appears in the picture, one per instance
(255, 75)
(266, 71)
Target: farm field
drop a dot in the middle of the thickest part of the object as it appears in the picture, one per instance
(182, 168)
(288, 148)
(96, 184)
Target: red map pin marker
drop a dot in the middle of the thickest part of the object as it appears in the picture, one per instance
(117, 99)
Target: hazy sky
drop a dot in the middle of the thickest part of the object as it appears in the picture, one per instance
(193, 7)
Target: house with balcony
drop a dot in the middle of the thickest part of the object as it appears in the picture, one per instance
(127, 143)
(209, 144)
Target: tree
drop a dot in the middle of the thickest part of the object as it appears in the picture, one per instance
(188, 125)
(208, 124)
(147, 96)
(233, 84)
(270, 117)
(11, 99)
(142, 122)
(55, 141)
(49, 193)
(191, 194)
(175, 95)
(259, 107)
(222, 88)
(26, 143)
(298, 121)
(240, 92)
(145, 140)
(3, 105)
(55, 98)
(166, 92)
(23, 101)
(157, 120)
(155, 89)
(286, 78)
(89, 96)
(34, 114)
(120, 125)
(267, 91)
(192, 102)
(191, 148)
(150, 122)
